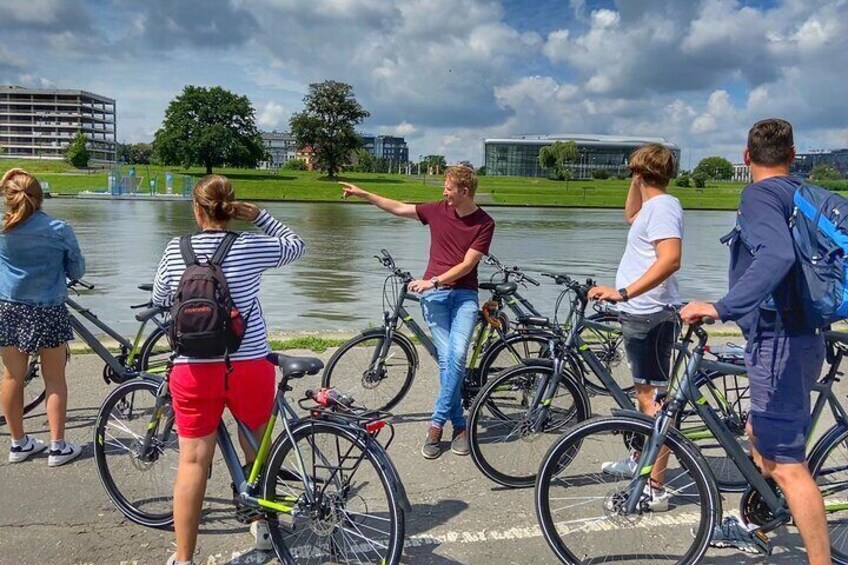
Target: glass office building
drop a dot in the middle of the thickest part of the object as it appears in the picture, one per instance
(519, 157)
(804, 162)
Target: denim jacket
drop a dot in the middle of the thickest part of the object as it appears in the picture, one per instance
(36, 257)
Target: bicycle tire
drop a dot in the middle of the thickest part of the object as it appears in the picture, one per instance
(576, 454)
(155, 352)
(731, 401)
(502, 444)
(349, 370)
(515, 346)
(610, 352)
(282, 481)
(831, 475)
(129, 409)
(34, 391)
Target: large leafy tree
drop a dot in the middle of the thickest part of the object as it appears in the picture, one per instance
(560, 157)
(77, 153)
(716, 168)
(209, 127)
(434, 163)
(327, 124)
(825, 171)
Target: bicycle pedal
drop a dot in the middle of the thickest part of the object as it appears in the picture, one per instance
(761, 541)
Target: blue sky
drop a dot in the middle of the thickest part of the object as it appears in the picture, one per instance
(448, 73)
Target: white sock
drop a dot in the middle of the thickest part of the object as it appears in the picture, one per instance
(20, 442)
(58, 445)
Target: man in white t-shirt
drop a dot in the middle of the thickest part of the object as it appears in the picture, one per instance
(646, 290)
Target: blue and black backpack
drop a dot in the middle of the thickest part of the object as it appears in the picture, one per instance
(819, 227)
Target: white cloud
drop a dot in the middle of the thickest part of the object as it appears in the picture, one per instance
(273, 116)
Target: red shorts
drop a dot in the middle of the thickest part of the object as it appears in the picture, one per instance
(199, 395)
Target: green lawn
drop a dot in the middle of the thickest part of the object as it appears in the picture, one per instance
(297, 185)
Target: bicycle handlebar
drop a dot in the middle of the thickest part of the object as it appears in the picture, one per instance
(389, 263)
(513, 272)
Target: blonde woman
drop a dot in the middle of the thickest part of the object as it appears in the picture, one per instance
(37, 254)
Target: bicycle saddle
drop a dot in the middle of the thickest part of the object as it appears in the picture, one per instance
(296, 367)
(504, 289)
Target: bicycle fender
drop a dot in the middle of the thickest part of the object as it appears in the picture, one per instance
(535, 362)
(650, 420)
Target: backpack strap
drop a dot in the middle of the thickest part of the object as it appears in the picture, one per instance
(189, 258)
(224, 248)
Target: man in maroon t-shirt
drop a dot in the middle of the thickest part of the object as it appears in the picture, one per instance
(460, 234)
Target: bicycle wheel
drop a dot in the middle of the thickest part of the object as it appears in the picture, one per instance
(608, 346)
(355, 515)
(355, 369)
(504, 445)
(829, 467)
(729, 397)
(139, 484)
(506, 353)
(155, 353)
(581, 509)
(33, 389)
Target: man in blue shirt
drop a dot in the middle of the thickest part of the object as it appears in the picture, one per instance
(785, 351)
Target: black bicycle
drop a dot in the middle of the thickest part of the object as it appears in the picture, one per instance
(587, 515)
(325, 485)
(145, 353)
(379, 365)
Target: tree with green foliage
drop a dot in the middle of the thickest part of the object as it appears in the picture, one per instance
(683, 181)
(327, 124)
(560, 158)
(600, 174)
(211, 127)
(715, 168)
(825, 171)
(135, 153)
(77, 153)
(295, 165)
(699, 178)
(435, 163)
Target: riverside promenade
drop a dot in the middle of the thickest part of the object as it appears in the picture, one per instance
(63, 516)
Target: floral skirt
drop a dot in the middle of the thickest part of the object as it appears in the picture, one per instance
(33, 328)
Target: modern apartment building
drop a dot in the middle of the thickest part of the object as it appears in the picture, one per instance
(519, 156)
(392, 149)
(40, 123)
(805, 162)
(281, 148)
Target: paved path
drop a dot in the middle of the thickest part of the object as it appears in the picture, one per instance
(63, 516)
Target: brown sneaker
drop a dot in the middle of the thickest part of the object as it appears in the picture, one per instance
(432, 443)
(459, 443)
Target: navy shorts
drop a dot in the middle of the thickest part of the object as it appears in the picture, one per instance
(648, 341)
(782, 371)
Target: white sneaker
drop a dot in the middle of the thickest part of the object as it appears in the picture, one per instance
(173, 559)
(624, 468)
(261, 536)
(656, 499)
(60, 457)
(24, 452)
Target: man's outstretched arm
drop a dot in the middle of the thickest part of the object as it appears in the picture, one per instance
(395, 207)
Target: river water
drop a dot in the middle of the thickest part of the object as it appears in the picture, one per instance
(338, 285)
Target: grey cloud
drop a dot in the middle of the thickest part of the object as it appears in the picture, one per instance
(200, 23)
(44, 16)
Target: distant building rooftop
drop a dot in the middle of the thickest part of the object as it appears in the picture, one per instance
(583, 139)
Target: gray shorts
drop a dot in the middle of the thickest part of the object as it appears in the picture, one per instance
(781, 372)
(648, 341)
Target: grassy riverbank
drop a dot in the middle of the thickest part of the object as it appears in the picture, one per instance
(307, 186)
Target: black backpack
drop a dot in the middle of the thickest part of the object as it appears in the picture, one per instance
(205, 322)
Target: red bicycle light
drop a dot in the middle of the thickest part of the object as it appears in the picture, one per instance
(374, 427)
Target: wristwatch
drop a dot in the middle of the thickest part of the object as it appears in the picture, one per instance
(623, 293)
(435, 281)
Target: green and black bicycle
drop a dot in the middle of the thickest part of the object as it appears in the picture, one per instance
(146, 352)
(325, 484)
(589, 516)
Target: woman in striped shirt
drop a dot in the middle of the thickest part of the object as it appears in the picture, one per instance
(199, 387)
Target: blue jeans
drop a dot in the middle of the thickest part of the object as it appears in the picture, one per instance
(451, 316)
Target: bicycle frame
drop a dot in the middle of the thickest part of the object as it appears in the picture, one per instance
(687, 393)
(91, 340)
